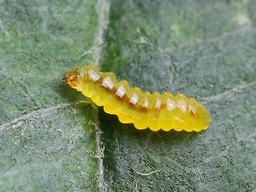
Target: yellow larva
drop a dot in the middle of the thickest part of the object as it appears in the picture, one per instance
(132, 105)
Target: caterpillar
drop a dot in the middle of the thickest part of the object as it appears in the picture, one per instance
(132, 105)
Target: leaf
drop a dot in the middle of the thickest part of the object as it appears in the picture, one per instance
(47, 137)
(49, 133)
(205, 50)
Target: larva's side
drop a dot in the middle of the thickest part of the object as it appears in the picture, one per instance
(132, 105)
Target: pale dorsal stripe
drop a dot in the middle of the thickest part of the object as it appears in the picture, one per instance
(134, 99)
(107, 83)
(93, 75)
(181, 104)
(120, 92)
(170, 104)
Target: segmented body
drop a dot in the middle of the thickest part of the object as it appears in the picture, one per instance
(132, 105)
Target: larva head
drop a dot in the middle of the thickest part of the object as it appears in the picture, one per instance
(72, 78)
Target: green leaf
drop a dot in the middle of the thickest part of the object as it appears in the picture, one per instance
(52, 138)
(47, 138)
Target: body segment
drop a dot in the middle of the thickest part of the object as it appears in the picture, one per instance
(132, 105)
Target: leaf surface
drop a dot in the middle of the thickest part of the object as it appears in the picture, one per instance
(51, 137)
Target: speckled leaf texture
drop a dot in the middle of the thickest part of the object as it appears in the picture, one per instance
(52, 138)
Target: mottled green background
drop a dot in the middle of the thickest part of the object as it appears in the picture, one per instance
(53, 139)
